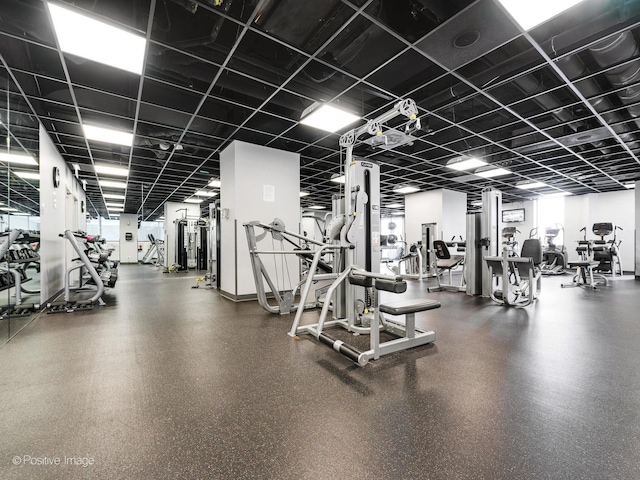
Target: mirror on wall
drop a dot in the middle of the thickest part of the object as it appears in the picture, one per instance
(19, 210)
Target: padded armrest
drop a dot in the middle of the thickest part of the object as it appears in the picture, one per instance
(391, 285)
(361, 280)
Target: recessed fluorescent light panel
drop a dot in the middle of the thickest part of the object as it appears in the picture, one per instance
(108, 135)
(466, 164)
(406, 190)
(115, 196)
(110, 184)
(494, 172)
(531, 14)
(20, 158)
(193, 200)
(557, 194)
(528, 186)
(98, 41)
(328, 118)
(115, 171)
(204, 193)
(28, 175)
(214, 183)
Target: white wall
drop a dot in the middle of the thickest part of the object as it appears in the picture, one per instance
(530, 221)
(419, 208)
(454, 214)
(637, 235)
(247, 174)
(174, 211)
(54, 216)
(585, 210)
(128, 248)
(447, 208)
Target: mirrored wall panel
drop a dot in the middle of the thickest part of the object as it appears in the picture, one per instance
(19, 210)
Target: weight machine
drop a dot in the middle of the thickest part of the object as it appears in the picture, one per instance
(355, 234)
(585, 276)
(191, 244)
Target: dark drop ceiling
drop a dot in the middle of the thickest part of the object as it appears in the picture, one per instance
(559, 104)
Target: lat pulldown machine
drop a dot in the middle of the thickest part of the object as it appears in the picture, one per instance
(355, 230)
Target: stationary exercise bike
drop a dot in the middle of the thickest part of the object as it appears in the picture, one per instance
(606, 252)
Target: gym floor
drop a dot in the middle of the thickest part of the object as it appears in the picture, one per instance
(173, 382)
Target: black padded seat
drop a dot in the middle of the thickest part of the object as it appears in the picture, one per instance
(583, 264)
(448, 263)
(403, 307)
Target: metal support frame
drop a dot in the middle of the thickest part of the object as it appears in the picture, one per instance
(284, 299)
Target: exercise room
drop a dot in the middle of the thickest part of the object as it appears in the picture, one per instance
(284, 239)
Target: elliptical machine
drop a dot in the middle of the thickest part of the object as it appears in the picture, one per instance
(554, 256)
(606, 251)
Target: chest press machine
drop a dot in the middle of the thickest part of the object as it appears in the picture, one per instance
(355, 230)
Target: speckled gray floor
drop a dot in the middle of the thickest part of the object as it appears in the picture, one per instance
(173, 382)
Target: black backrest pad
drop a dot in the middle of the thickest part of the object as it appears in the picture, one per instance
(532, 248)
(442, 251)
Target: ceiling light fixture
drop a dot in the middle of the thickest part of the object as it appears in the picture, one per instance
(335, 178)
(316, 207)
(108, 135)
(204, 193)
(20, 158)
(8, 209)
(115, 196)
(532, 14)
(114, 205)
(98, 41)
(115, 209)
(477, 203)
(214, 184)
(465, 163)
(406, 190)
(556, 194)
(327, 117)
(395, 205)
(493, 172)
(530, 185)
(629, 185)
(111, 184)
(28, 175)
(303, 194)
(193, 200)
(116, 171)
